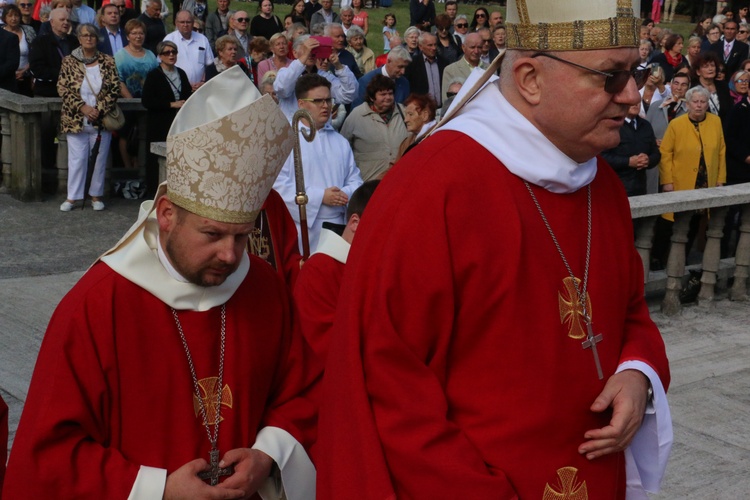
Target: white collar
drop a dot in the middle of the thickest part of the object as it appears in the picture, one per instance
(495, 124)
(333, 245)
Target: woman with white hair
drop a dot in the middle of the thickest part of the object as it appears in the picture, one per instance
(364, 57)
(411, 40)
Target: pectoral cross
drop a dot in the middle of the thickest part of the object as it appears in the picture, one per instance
(215, 472)
(590, 342)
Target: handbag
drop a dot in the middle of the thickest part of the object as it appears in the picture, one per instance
(114, 119)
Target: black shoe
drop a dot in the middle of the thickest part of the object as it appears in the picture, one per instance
(690, 293)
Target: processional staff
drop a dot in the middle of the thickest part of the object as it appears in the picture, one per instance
(299, 176)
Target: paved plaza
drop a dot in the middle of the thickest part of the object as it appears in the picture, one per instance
(44, 252)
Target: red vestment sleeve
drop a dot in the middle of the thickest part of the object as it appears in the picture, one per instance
(284, 236)
(316, 296)
(289, 406)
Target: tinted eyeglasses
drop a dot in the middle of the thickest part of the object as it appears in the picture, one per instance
(168, 52)
(24, 5)
(744, 32)
(480, 15)
(615, 81)
(242, 19)
(462, 25)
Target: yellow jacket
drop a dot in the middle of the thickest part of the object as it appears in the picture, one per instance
(681, 152)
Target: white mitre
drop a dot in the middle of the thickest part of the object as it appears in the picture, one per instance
(225, 148)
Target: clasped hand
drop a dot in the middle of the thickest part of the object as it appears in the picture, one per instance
(251, 468)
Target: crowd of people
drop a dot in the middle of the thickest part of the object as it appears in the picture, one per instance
(436, 53)
(690, 122)
(431, 296)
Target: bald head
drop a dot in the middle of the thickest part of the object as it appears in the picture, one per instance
(59, 21)
(473, 48)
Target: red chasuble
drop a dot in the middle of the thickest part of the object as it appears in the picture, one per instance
(112, 390)
(316, 296)
(456, 368)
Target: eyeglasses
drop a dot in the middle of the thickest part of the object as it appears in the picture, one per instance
(744, 32)
(462, 25)
(168, 53)
(87, 35)
(320, 101)
(25, 4)
(198, 30)
(242, 19)
(615, 81)
(742, 81)
(450, 94)
(480, 15)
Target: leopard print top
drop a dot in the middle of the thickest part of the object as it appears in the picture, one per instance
(69, 87)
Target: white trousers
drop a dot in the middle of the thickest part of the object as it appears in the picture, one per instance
(79, 149)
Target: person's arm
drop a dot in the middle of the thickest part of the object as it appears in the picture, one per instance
(110, 91)
(286, 79)
(666, 165)
(11, 56)
(69, 71)
(652, 149)
(344, 84)
(722, 177)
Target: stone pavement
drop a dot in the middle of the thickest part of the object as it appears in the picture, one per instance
(44, 252)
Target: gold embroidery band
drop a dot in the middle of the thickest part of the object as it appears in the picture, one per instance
(214, 213)
(577, 35)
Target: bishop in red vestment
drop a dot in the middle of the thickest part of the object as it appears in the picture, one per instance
(461, 364)
(174, 355)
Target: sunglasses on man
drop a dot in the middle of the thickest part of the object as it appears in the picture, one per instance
(614, 81)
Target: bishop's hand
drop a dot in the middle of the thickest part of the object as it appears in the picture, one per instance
(251, 469)
(184, 483)
(626, 393)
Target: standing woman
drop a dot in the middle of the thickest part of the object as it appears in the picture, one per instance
(481, 20)
(26, 34)
(165, 91)
(89, 87)
(279, 59)
(133, 63)
(361, 18)
(265, 24)
(704, 74)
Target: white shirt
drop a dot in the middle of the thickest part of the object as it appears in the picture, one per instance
(193, 55)
(327, 161)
